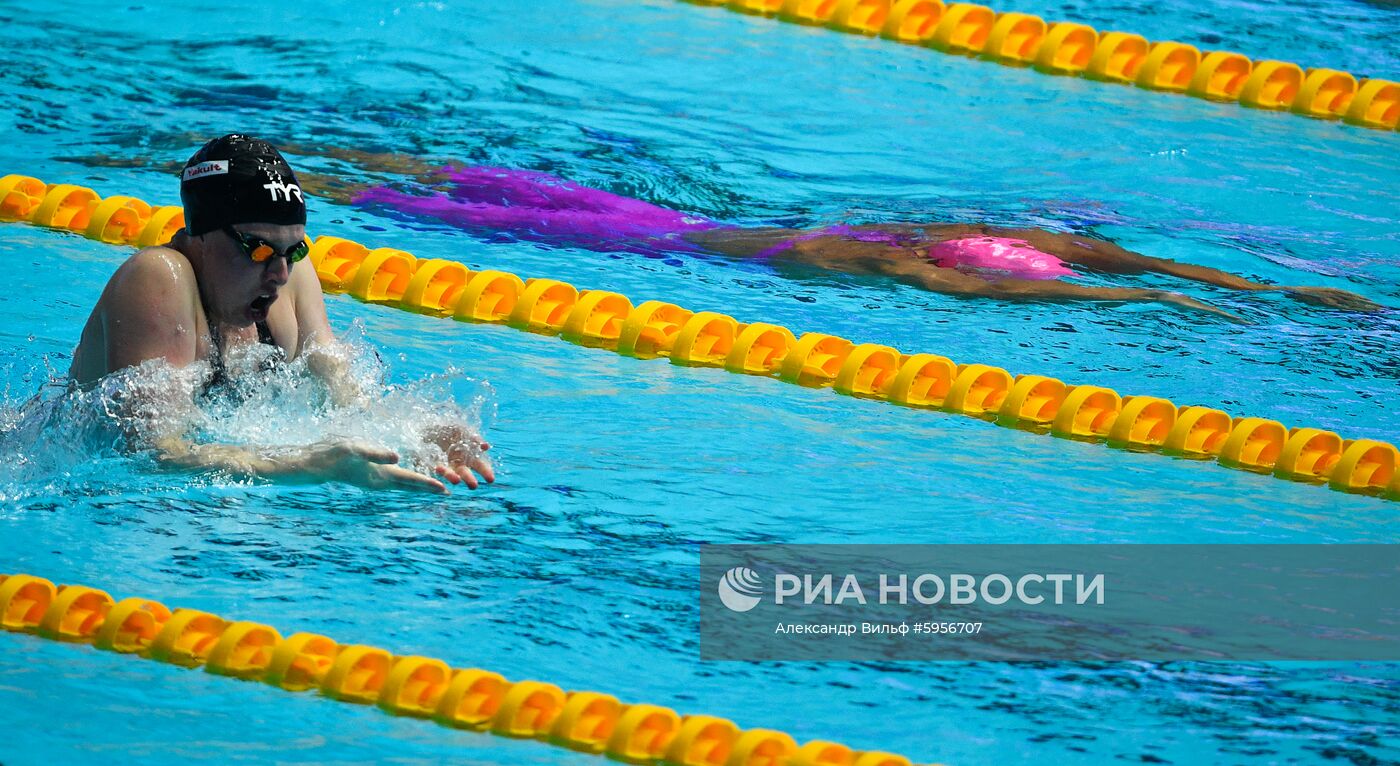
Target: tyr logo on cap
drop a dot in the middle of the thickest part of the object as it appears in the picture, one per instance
(210, 168)
(284, 191)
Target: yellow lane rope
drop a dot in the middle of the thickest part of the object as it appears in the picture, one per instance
(406, 685)
(1078, 50)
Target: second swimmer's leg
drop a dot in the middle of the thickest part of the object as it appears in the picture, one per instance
(532, 188)
(374, 162)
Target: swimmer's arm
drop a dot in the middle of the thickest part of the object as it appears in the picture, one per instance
(1114, 259)
(464, 450)
(953, 282)
(352, 462)
(1025, 289)
(325, 356)
(1330, 297)
(178, 452)
(161, 415)
(149, 311)
(158, 408)
(1101, 255)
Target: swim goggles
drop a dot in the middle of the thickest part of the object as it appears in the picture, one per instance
(259, 249)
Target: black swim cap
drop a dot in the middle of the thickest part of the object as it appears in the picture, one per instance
(239, 179)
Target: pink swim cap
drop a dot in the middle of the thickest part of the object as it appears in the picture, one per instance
(1013, 257)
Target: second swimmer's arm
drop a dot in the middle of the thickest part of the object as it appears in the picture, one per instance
(953, 282)
(1112, 258)
(1056, 290)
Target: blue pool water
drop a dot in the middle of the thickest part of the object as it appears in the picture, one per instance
(579, 566)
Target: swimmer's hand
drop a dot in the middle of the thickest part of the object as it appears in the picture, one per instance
(361, 464)
(352, 462)
(1186, 302)
(465, 453)
(1332, 298)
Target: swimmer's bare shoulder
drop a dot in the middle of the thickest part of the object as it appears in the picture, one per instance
(150, 309)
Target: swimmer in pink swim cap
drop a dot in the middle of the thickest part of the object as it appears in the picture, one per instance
(957, 259)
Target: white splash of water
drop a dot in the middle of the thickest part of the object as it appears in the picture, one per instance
(66, 435)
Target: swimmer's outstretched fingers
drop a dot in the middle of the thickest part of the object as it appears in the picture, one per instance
(461, 471)
(364, 465)
(466, 455)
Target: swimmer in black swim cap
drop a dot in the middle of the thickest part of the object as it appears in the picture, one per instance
(227, 280)
(239, 189)
(239, 179)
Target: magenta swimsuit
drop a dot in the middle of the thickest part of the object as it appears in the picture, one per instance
(542, 208)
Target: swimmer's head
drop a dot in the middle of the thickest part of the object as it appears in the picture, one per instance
(239, 179)
(244, 207)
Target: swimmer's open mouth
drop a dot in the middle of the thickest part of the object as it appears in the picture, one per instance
(258, 308)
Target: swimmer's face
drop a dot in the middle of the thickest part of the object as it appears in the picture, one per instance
(246, 289)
